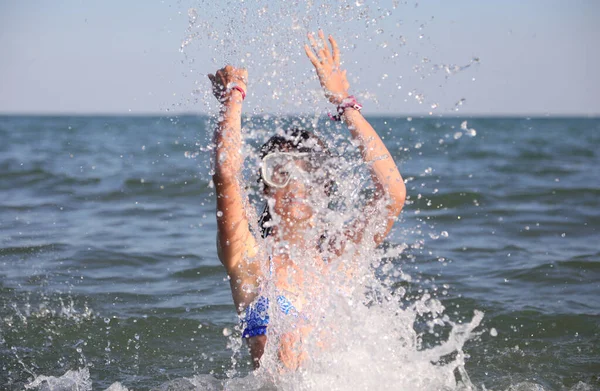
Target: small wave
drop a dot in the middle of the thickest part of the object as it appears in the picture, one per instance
(78, 380)
(490, 249)
(22, 250)
(559, 272)
(584, 262)
(554, 193)
(13, 174)
(101, 258)
(197, 272)
(451, 200)
(148, 188)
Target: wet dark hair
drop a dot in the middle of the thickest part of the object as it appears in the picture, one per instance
(293, 140)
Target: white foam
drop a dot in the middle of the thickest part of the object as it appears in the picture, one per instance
(73, 380)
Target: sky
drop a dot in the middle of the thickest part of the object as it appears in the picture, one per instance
(436, 57)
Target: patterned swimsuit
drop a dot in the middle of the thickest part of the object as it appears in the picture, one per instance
(256, 316)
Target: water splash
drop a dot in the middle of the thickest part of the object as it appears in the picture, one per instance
(468, 131)
(75, 380)
(364, 331)
(268, 39)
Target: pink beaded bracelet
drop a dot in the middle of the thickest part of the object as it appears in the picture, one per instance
(349, 102)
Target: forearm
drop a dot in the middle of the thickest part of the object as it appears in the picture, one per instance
(234, 241)
(228, 139)
(370, 144)
(386, 177)
(385, 173)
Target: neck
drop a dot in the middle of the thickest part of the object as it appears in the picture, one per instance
(299, 234)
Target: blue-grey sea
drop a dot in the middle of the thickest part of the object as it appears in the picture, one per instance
(108, 263)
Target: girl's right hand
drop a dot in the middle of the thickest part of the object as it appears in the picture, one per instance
(225, 79)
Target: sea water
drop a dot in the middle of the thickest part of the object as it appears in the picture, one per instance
(109, 277)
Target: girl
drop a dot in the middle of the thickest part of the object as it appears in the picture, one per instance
(295, 173)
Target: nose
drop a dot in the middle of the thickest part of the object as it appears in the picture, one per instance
(297, 186)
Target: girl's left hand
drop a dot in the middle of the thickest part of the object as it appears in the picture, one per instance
(327, 64)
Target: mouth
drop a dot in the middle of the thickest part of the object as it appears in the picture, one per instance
(294, 200)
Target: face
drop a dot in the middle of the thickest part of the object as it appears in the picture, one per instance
(294, 181)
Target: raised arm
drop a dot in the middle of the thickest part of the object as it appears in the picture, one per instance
(386, 177)
(234, 239)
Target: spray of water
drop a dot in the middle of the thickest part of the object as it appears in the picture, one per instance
(356, 328)
(359, 328)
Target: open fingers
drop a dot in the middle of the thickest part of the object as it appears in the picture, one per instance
(325, 49)
(313, 43)
(320, 52)
(336, 51)
(312, 57)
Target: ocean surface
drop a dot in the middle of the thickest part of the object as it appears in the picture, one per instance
(109, 276)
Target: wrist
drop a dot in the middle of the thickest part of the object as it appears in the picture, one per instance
(351, 112)
(237, 90)
(232, 96)
(233, 99)
(347, 105)
(337, 99)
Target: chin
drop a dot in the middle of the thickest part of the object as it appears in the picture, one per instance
(296, 212)
(301, 214)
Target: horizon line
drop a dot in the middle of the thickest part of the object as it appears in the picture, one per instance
(387, 115)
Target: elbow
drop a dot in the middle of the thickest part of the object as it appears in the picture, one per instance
(225, 175)
(397, 198)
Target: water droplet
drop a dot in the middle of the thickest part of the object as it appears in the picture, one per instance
(493, 332)
(227, 332)
(219, 213)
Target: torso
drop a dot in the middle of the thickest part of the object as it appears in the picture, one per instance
(291, 279)
(296, 279)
